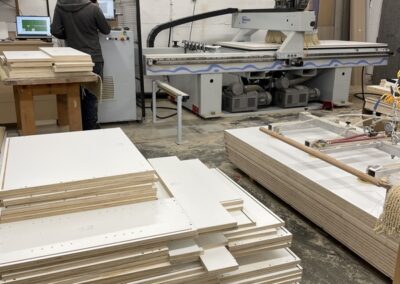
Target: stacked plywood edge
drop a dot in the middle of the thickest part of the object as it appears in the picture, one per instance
(339, 203)
(47, 62)
(38, 195)
(69, 60)
(242, 241)
(26, 64)
(203, 228)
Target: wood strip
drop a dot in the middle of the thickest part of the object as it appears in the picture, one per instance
(218, 260)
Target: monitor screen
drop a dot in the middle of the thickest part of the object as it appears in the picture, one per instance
(33, 27)
(107, 6)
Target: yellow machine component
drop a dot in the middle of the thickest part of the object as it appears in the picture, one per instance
(390, 98)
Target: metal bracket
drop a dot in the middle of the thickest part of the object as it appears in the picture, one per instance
(179, 95)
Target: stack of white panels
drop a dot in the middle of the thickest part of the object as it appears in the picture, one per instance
(341, 204)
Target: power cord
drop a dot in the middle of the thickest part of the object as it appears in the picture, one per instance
(168, 108)
(361, 96)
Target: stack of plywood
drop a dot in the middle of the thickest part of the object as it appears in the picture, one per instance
(67, 59)
(338, 202)
(26, 64)
(54, 174)
(203, 229)
(241, 239)
(47, 62)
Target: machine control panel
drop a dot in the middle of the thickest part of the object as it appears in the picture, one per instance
(123, 36)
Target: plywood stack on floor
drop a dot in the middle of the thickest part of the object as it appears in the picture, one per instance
(69, 60)
(26, 64)
(203, 228)
(213, 203)
(338, 202)
(105, 245)
(54, 174)
(149, 242)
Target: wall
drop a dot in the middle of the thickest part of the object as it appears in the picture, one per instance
(212, 30)
(27, 7)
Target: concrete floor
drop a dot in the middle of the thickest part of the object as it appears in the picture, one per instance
(324, 259)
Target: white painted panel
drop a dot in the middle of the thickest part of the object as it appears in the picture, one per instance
(192, 195)
(71, 233)
(364, 196)
(63, 157)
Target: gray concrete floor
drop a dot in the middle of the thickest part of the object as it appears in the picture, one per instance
(324, 259)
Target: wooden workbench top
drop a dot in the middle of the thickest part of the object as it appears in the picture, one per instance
(55, 80)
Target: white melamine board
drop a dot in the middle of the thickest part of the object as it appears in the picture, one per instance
(180, 248)
(264, 260)
(23, 56)
(218, 260)
(70, 233)
(213, 186)
(367, 197)
(64, 53)
(241, 218)
(254, 209)
(73, 156)
(191, 195)
(211, 240)
(270, 277)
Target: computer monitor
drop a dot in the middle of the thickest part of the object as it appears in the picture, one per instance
(107, 6)
(33, 27)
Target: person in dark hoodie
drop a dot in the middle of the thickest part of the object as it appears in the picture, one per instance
(78, 22)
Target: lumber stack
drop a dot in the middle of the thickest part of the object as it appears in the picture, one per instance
(46, 62)
(204, 228)
(67, 59)
(338, 202)
(62, 173)
(26, 64)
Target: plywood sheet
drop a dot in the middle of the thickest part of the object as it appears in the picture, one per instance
(74, 156)
(26, 56)
(255, 210)
(190, 193)
(218, 260)
(66, 54)
(181, 248)
(67, 234)
(263, 262)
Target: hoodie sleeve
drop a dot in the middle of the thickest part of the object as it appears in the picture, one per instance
(57, 27)
(101, 22)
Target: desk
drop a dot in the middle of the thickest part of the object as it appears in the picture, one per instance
(67, 91)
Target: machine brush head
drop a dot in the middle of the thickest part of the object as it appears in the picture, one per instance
(278, 37)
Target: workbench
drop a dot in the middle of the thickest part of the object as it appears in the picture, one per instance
(67, 91)
(44, 105)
